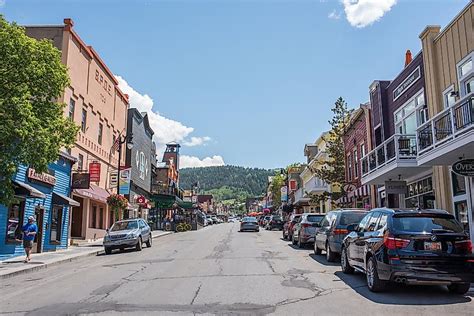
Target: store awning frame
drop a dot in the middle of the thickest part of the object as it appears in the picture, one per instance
(28, 190)
(60, 199)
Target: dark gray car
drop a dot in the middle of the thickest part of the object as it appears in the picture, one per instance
(127, 234)
(333, 230)
(306, 228)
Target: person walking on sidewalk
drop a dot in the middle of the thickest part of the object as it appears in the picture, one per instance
(29, 232)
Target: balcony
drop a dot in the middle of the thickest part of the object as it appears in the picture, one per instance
(300, 197)
(393, 159)
(315, 186)
(447, 136)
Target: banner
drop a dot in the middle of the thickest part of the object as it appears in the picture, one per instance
(94, 170)
(113, 179)
(124, 181)
(284, 194)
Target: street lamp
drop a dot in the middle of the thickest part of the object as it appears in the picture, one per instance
(128, 140)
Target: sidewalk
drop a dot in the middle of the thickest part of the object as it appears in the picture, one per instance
(16, 266)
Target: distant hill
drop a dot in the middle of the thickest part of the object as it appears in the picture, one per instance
(227, 181)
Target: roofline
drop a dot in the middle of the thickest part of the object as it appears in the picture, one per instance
(443, 31)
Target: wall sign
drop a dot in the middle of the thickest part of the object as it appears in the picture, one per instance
(464, 167)
(411, 79)
(80, 181)
(113, 179)
(41, 177)
(293, 184)
(395, 187)
(94, 170)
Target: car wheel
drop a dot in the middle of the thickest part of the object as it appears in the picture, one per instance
(293, 240)
(149, 241)
(459, 288)
(330, 255)
(346, 267)
(139, 245)
(317, 251)
(284, 236)
(373, 282)
(108, 250)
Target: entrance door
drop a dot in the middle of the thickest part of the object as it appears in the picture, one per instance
(76, 219)
(38, 241)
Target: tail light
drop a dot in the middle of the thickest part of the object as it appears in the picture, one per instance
(305, 225)
(464, 246)
(340, 231)
(395, 243)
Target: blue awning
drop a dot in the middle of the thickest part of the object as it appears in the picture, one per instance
(60, 199)
(27, 190)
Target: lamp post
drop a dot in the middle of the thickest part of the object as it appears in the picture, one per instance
(128, 140)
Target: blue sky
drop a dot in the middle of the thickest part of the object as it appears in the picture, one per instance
(244, 82)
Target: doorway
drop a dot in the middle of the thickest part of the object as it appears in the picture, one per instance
(76, 219)
(38, 241)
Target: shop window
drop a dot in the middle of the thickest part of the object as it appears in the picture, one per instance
(16, 213)
(459, 184)
(56, 224)
(420, 194)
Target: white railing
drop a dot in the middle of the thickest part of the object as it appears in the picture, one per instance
(299, 195)
(315, 185)
(446, 125)
(399, 147)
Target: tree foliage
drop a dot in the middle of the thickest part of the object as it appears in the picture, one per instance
(333, 172)
(33, 128)
(278, 182)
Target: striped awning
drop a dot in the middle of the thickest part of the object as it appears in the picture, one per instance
(360, 192)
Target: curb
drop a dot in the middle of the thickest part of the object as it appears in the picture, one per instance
(60, 261)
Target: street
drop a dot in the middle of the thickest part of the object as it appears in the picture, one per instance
(216, 270)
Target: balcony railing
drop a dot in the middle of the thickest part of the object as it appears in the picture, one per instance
(399, 147)
(447, 124)
(315, 185)
(299, 196)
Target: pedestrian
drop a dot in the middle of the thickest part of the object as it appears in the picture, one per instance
(29, 232)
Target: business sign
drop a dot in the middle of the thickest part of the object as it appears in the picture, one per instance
(464, 167)
(293, 184)
(94, 170)
(395, 187)
(284, 194)
(124, 181)
(80, 181)
(113, 179)
(41, 177)
(408, 82)
(141, 199)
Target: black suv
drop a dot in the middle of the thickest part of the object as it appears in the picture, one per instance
(409, 246)
(275, 222)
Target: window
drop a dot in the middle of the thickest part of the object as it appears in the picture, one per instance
(448, 97)
(72, 105)
(411, 115)
(362, 150)
(56, 224)
(470, 85)
(99, 138)
(93, 222)
(349, 168)
(382, 222)
(363, 223)
(372, 225)
(84, 121)
(80, 162)
(465, 68)
(465, 75)
(459, 184)
(16, 214)
(356, 164)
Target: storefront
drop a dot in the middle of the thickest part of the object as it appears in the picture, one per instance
(45, 196)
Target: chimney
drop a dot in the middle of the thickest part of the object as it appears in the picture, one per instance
(68, 23)
(408, 58)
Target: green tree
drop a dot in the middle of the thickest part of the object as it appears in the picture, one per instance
(277, 183)
(333, 172)
(32, 129)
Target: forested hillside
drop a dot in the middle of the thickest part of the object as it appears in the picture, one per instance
(228, 181)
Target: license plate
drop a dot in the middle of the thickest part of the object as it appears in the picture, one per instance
(433, 246)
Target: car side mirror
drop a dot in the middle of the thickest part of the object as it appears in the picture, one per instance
(107, 230)
(352, 227)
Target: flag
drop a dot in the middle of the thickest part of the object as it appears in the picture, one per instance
(116, 145)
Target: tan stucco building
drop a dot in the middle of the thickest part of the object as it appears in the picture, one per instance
(95, 102)
(449, 134)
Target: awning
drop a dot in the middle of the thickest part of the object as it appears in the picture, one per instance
(60, 199)
(27, 190)
(94, 192)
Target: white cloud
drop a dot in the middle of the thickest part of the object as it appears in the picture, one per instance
(334, 15)
(166, 130)
(361, 13)
(194, 162)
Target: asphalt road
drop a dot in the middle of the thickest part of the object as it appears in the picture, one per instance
(217, 270)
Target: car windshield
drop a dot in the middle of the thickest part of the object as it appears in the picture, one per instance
(276, 218)
(124, 226)
(348, 218)
(249, 219)
(314, 218)
(426, 224)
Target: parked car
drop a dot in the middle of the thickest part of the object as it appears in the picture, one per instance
(265, 221)
(275, 222)
(409, 246)
(293, 220)
(209, 219)
(127, 234)
(261, 220)
(249, 223)
(231, 220)
(306, 228)
(215, 220)
(333, 230)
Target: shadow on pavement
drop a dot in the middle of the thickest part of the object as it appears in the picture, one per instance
(118, 251)
(322, 260)
(399, 294)
(305, 247)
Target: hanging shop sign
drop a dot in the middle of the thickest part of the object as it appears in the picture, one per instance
(284, 194)
(293, 184)
(80, 181)
(464, 167)
(94, 170)
(113, 179)
(141, 199)
(395, 187)
(124, 181)
(41, 177)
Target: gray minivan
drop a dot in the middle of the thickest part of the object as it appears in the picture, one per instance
(127, 234)
(306, 228)
(333, 230)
